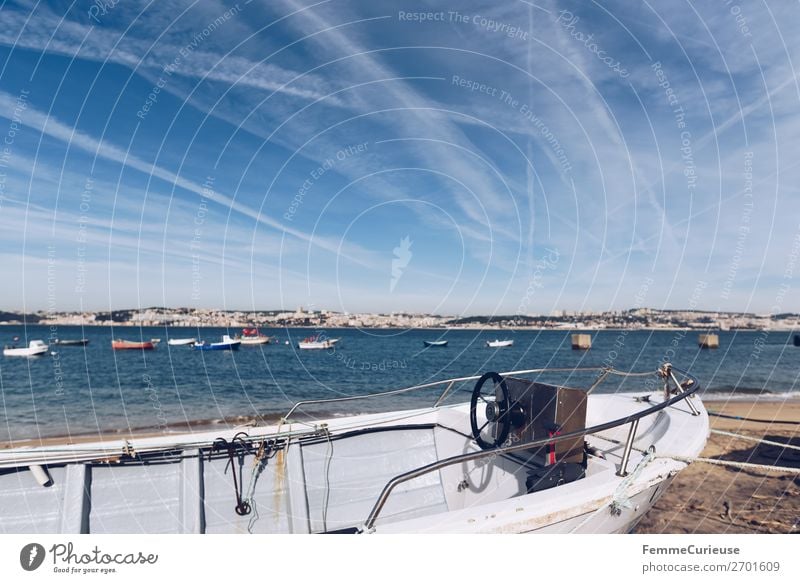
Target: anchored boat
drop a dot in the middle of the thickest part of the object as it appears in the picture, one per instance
(34, 348)
(434, 343)
(499, 343)
(252, 337)
(227, 343)
(520, 456)
(181, 341)
(317, 343)
(131, 345)
(71, 342)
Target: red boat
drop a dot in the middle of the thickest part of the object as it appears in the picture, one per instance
(129, 345)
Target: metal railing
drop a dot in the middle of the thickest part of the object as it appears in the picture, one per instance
(604, 373)
(666, 373)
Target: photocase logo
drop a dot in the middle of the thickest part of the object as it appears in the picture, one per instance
(402, 256)
(31, 556)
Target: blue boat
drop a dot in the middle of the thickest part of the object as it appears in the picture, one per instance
(227, 343)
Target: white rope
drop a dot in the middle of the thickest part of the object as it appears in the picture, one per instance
(741, 465)
(620, 498)
(716, 462)
(756, 439)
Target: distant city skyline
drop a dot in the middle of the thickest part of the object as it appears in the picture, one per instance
(510, 158)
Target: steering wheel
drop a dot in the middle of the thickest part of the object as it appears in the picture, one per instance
(498, 412)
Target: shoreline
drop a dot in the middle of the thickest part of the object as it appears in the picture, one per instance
(788, 409)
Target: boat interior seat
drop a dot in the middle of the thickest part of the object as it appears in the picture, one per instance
(345, 475)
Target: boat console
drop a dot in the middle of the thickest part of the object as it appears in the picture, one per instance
(519, 411)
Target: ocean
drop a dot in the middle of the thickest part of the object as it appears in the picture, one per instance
(96, 390)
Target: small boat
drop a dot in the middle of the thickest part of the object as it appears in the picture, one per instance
(155, 341)
(34, 348)
(317, 343)
(492, 464)
(227, 343)
(499, 343)
(435, 342)
(252, 337)
(73, 342)
(131, 345)
(181, 341)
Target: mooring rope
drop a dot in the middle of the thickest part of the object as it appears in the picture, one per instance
(741, 465)
(620, 498)
(756, 439)
(738, 418)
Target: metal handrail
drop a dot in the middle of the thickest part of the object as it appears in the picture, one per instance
(665, 371)
(451, 382)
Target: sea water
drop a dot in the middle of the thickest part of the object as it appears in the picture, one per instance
(96, 390)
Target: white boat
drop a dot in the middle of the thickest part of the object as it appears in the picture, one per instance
(254, 340)
(317, 343)
(253, 337)
(499, 343)
(34, 348)
(155, 341)
(181, 341)
(504, 462)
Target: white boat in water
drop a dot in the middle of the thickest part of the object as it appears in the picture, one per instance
(508, 461)
(253, 337)
(499, 343)
(317, 343)
(34, 348)
(254, 340)
(181, 341)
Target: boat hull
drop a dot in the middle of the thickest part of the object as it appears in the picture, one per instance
(181, 341)
(128, 345)
(318, 345)
(302, 489)
(435, 343)
(499, 343)
(25, 351)
(81, 342)
(218, 346)
(254, 341)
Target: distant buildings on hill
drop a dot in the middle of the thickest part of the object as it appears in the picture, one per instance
(640, 318)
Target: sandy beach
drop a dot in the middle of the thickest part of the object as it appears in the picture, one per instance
(711, 499)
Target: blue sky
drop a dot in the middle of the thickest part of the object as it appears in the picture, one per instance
(538, 156)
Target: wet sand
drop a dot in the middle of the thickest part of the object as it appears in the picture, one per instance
(714, 499)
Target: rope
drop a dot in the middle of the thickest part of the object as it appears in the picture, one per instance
(740, 465)
(738, 418)
(620, 498)
(756, 439)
